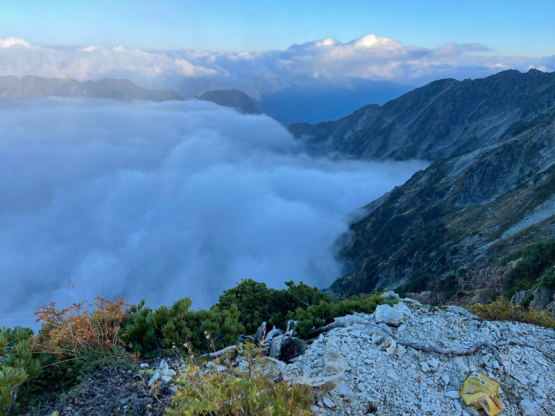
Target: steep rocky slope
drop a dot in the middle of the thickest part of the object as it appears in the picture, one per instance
(448, 227)
(12, 87)
(442, 119)
(231, 98)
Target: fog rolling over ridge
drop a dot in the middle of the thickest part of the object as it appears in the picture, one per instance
(163, 200)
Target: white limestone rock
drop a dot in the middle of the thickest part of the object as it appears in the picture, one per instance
(334, 363)
(388, 315)
(153, 379)
(404, 309)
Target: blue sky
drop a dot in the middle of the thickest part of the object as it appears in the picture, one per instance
(508, 27)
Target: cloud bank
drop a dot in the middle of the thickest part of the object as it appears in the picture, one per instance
(369, 57)
(159, 201)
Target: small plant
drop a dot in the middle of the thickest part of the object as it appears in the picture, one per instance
(503, 310)
(228, 392)
(17, 364)
(75, 329)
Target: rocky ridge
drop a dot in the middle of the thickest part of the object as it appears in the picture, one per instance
(367, 367)
(409, 359)
(441, 119)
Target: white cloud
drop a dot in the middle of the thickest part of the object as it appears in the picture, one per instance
(369, 57)
(89, 48)
(160, 201)
(10, 41)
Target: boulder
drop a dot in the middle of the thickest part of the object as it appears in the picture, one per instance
(388, 315)
(412, 302)
(542, 297)
(391, 296)
(519, 296)
(334, 363)
(321, 384)
(153, 379)
(285, 348)
(403, 308)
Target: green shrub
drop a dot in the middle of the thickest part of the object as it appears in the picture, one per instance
(230, 392)
(325, 312)
(258, 303)
(503, 310)
(536, 259)
(17, 364)
(548, 280)
(147, 330)
(449, 286)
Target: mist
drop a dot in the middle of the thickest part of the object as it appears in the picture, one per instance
(164, 200)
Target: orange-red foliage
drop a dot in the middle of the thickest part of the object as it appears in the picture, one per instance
(74, 328)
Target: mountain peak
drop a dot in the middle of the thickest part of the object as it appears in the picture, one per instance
(236, 99)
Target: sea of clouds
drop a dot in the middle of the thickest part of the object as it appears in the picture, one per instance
(368, 57)
(164, 200)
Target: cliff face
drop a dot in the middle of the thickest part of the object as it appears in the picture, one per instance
(442, 119)
(12, 87)
(464, 212)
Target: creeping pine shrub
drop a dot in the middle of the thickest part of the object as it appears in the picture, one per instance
(229, 392)
(325, 312)
(259, 303)
(503, 310)
(548, 280)
(147, 330)
(537, 258)
(17, 364)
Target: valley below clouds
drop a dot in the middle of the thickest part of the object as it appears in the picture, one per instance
(164, 200)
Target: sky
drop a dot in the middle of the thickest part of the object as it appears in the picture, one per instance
(163, 200)
(507, 27)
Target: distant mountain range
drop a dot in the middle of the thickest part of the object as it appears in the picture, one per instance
(12, 87)
(302, 98)
(235, 99)
(442, 119)
(489, 192)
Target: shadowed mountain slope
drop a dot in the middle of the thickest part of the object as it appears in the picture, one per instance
(442, 119)
(452, 222)
(231, 98)
(12, 87)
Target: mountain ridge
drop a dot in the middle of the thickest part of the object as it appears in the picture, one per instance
(12, 87)
(466, 212)
(441, 119)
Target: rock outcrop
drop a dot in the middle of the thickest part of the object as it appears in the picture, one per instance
(369, 368)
